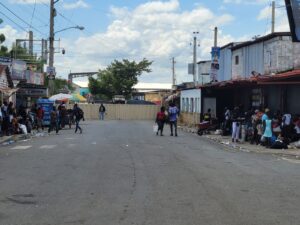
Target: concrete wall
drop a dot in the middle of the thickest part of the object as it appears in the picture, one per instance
(204, 69)
(272, 56)
(189, 119)
(121, 111)
(190, 101)
(278, 55)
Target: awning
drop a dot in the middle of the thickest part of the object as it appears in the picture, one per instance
(286, 78)
(8, 91)
(290, 77)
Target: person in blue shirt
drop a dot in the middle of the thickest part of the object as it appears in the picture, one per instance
(173, 113)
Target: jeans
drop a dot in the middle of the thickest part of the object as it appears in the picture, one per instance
(235, 131)
(101, 115)
(173, 123)
(52, 126)
(160, 127)
(77, 126)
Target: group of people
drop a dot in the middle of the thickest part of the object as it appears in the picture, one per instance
(61, 116)
(22, 120)
(167, 116)
(275, 130)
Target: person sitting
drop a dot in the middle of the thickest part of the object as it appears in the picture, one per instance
(207, 116)
(297, 128)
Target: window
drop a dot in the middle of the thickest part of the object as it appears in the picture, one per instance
(187, 105)
(237, 60)
(192, 105)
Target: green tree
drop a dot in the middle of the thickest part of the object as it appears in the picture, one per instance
(3, 49)
(60, 84)
(118, 78)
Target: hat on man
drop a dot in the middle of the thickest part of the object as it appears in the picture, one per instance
(267, 110)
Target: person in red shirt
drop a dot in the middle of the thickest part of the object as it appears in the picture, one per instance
(160, 120)
(39, 117)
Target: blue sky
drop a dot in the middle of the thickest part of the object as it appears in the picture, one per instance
(158, 30)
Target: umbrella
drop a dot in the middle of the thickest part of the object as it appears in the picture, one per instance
(61, 97)
(79, 98)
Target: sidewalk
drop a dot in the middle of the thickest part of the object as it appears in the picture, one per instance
(246, 146)
(6, 140)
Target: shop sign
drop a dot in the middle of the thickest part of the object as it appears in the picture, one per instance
(33, 92)
(51, 73)
(34, 78)
(18, 70)
(5, 61)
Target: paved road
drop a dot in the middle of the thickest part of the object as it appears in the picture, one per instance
(120, 173)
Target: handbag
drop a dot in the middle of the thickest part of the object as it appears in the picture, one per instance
(155, 128)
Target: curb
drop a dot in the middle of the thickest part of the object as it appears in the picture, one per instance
(7, 140)
(240, 148)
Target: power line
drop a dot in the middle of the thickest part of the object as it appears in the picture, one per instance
(33, 13)
(14, 22)
(21, 18)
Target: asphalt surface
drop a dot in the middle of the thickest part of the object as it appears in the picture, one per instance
(119, 172)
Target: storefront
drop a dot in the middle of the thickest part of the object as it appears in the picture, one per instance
(276, 92)
(30, 93)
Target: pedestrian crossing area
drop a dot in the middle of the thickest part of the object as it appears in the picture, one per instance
(25, 147)
(44, 147)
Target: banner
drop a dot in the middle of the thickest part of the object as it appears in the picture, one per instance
(293, 11)
(18, 70)
(34, 78)
(215, 55)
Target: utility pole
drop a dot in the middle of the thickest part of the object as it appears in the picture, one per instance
(51, 47)
(30, 43)
(215, 57)
(216, 37)
(195, 59)
(173, 72)
(51, 34)
(273, 17)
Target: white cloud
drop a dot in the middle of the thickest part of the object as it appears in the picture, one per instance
(281, 19)
(75, 5)
(11, 35)
(255, 2)
(155, 30)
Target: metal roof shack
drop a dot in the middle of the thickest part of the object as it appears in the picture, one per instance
(261, 39)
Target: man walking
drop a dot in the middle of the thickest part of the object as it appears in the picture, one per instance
(78, 116)
(53, 120)
(101, 111)
(173, 113)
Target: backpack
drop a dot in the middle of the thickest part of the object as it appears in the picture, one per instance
(80, 113)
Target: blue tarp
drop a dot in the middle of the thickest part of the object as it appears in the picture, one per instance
(47, 105)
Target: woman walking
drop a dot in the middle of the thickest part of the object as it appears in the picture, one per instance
(268, 130)
(160, 120)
